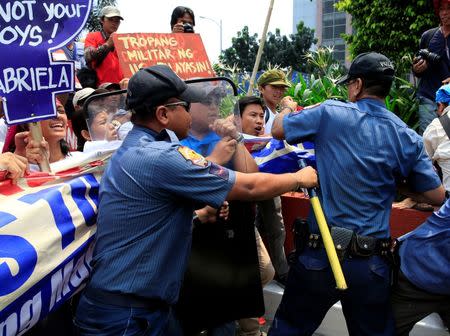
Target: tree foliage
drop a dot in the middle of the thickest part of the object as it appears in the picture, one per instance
(391, 27)
(93, 23)
(279, 49)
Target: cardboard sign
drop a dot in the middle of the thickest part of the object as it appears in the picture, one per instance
(184, 53)
(29, 31)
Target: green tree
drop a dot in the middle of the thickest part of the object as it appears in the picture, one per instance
(242, 52)
(391, 27)
(279, 50)
(93, 23)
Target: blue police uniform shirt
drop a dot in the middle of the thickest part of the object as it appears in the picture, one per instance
(425, 253)
(147, 197)
(362, 150)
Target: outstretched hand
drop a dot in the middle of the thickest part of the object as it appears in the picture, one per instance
(14, 165)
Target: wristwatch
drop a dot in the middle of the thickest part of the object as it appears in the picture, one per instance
(240, 139)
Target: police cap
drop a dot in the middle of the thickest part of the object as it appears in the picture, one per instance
(370, 65)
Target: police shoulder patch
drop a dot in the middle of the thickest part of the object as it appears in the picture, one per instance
(192, 156)
(219, 171)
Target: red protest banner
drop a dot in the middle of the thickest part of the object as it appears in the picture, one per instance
(184, 53)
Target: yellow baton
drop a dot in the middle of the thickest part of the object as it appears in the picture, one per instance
(326, 236)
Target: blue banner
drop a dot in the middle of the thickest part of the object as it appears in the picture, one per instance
(29, 31)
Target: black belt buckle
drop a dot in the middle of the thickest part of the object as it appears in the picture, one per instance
(342, 239)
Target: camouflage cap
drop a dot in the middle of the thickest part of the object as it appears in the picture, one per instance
(273, 77)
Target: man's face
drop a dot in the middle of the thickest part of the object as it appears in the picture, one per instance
(110, 25)
(203, 115)
(444, 13)
(272, 94)
(179, 118)
(253, 120)
(353, 90)
(186, 18)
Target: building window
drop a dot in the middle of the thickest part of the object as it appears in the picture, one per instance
(333, 26)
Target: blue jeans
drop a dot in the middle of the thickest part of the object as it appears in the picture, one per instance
(311, 291)
(99, 319)
(427, 112)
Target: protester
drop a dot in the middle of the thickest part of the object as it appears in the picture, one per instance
(362, 151)
(432, 64)
(99, 50)
(182, 20)
(215, 147)
(435, 137)
(53, 146)
(272, 85)
(79, 124)
(251, 110)
(147, 196)
(424, 278)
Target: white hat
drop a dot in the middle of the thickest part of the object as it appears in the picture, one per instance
(110, 11)
(82, 94)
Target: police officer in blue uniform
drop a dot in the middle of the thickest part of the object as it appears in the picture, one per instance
(147, 197)
(424, 279)
(362, 151)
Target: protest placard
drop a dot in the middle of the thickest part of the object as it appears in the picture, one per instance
(29, 31)
(184, 53)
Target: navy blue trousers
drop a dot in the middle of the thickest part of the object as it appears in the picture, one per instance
(311, 291)
(99, 319)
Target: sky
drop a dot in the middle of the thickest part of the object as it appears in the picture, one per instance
(144, 16)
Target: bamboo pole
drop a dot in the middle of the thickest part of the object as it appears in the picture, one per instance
(260, 50)
(36, 134)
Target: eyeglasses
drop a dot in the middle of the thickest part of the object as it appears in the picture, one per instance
(186, 105)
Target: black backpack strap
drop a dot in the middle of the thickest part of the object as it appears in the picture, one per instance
(445, 122)
(266, 115)
(426, 38)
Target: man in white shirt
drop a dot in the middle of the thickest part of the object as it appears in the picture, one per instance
(436, 140)
(272, 85)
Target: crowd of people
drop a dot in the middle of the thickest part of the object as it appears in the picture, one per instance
(178, 162)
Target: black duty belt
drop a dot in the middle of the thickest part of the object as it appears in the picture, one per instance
(124, 300)
(348, 243)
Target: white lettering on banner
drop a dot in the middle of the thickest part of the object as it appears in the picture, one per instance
(30, 312)
(63, 282)
(9, 35)
(22, 11)
(9, 327)
(66, 279)
(32, 79)
(29, 316)
(58, 11)
(17, 10)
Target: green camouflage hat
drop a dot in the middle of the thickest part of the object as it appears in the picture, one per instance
(273, 77)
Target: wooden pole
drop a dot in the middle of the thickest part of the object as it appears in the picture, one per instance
(36, 134)
(260, 50)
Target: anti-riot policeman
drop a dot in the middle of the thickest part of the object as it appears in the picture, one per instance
(147, 197)
(362, 151)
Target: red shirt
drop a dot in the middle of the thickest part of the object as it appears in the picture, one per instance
(109, 70)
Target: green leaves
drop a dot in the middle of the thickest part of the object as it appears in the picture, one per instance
(280, 50)
(392, 27)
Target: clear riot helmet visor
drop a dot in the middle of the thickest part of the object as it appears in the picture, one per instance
(219, 97)
(106, 117)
